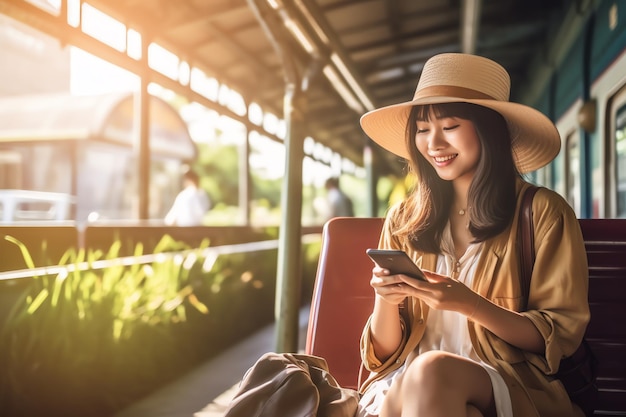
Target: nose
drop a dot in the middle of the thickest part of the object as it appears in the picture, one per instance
(435, 140)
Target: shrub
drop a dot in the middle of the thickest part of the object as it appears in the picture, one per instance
(92, 339)
(86, 341)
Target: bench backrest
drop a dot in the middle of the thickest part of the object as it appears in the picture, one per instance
(343, 300)
(342, 296)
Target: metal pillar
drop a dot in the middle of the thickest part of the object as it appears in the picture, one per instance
(245, 189)
(142, 129)
(371, 179)
(289, 272)
(289, 269)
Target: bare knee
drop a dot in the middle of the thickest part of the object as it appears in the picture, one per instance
(432, 369)
(472, 411)
(439, 379)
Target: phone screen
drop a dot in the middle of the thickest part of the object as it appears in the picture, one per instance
(396, 261)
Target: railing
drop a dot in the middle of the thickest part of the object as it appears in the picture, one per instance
(209, 254)
(34, 205)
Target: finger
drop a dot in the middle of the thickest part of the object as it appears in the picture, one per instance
(414, 282)
(378, 271)
(433, 276)
(391, 292)
(384, 281)
(398, 290)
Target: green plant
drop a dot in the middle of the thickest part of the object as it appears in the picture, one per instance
(92, 339)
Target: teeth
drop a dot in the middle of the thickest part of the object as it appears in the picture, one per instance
(444, 158)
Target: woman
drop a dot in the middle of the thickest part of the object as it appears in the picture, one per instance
(463, 347)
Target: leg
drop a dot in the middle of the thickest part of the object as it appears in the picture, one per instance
(439, 384)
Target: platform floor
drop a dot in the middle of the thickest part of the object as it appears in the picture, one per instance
(206, 391)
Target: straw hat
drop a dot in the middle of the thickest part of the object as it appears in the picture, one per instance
(467, 78)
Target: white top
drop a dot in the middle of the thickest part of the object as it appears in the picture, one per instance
(189, 208)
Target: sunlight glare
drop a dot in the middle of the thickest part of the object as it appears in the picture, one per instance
(267, 157)
(270, 123)
(73, 13)
(255, 114)
(205, 86)
(134, 44)
(92, 75)
(163, 61)
(103, 27)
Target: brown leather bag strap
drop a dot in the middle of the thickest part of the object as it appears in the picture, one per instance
(526, 240)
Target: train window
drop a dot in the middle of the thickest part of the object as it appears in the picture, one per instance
(557, 175)
(542, 176)
(572, 169)
(619, 136)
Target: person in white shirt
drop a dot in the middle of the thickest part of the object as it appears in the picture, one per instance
(190, 205)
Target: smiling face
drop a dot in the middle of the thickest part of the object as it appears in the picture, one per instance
(450, 144)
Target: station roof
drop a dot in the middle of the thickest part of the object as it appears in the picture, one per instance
(375, 48)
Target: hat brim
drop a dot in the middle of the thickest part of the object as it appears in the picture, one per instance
(535, 139)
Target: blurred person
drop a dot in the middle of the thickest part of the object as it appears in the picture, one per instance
(339, 204)
(191, 204)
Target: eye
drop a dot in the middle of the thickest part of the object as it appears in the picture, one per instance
(451, 127)
(421, 127)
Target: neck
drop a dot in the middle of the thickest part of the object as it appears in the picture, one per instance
(460, 187)
(459, 204)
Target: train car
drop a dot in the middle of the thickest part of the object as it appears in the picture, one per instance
(586, 97)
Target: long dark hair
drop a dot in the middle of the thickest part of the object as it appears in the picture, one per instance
(424, 213)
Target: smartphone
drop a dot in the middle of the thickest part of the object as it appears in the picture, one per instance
(397, 262)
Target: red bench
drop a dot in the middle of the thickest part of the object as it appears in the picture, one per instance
(343, 300)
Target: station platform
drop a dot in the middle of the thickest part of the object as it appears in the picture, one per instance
(207, 390)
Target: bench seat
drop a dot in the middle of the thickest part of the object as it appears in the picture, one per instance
(343, 299)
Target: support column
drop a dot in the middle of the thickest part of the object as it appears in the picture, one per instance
(289, 268)
(289, 272)
(245, 180)
(142, 129)
(371, 180)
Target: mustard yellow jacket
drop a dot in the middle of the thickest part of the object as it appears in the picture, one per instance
(557, 305)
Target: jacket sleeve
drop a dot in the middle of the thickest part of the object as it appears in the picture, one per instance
(558, 303)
